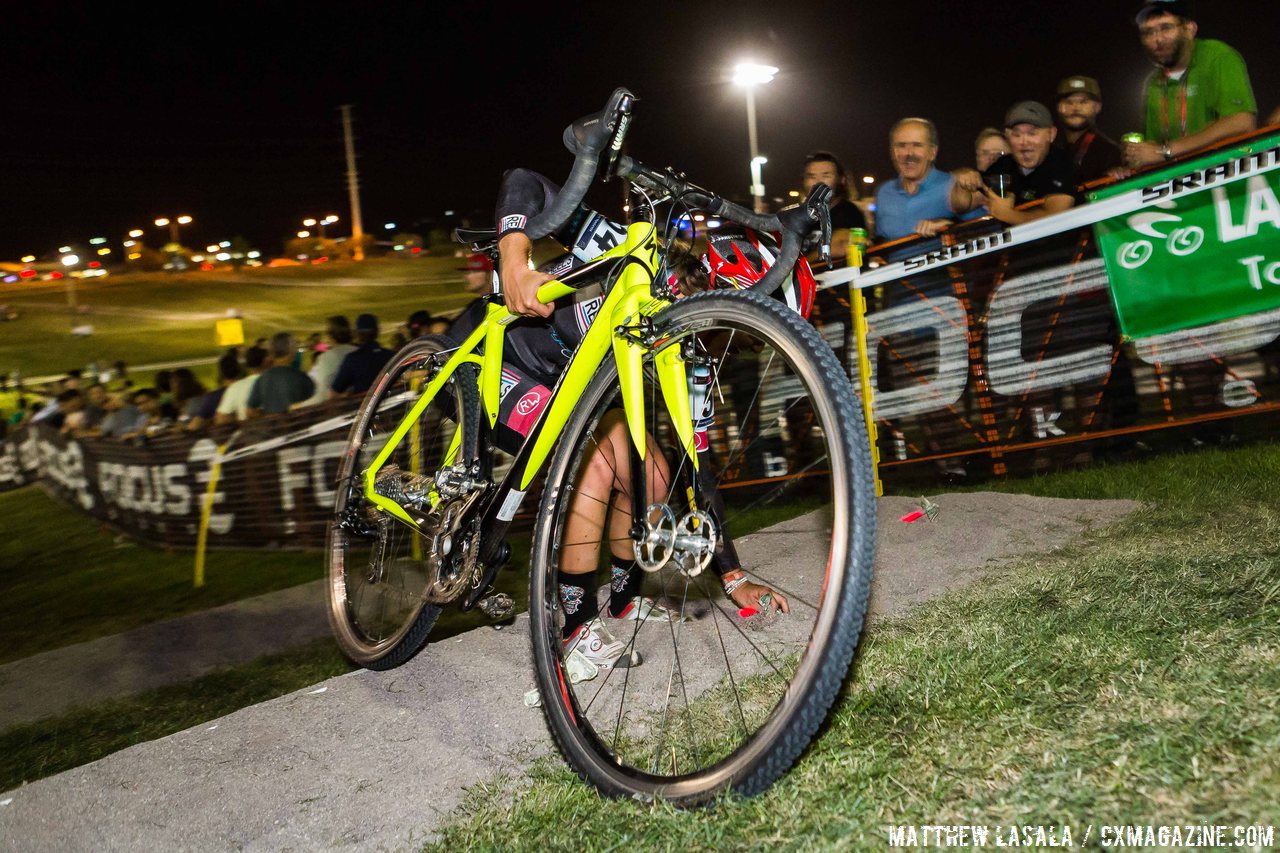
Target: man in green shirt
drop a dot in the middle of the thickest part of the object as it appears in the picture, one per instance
(1199, 92)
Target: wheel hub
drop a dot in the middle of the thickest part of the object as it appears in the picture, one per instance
(690, 542)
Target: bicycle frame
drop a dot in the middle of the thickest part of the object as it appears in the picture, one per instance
(615, 326)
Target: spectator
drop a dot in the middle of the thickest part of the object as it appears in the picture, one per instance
(283, 385)
(151, 417)
(70, 404)
(422, 323)
(205, 409)
(1093, 152)
(234, 405)
(123, 417)
(479, 270)
(990, 146)
(86, 421)
(822, 167)
(361, 367)
(1035, 171)
(1199, 92)
(163, 383)
(315, 346)
(917, 201)
(338, 327)
(43, 413)
(187, 392)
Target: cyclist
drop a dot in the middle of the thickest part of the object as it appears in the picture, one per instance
(535, 353)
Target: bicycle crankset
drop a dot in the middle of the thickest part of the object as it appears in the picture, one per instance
(689, 543)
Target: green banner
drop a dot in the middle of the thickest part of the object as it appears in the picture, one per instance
(1204, 246)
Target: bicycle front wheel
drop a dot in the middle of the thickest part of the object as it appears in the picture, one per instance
(720, 699)
(380, 570)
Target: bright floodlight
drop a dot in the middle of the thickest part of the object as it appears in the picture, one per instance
(137, 232)
(184, 220)
(304, 234)
(161, 222)
(759, 161)
(70, 260)
(309, 222)
(330, 219)
(751, 74)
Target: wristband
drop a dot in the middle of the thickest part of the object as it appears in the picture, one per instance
(733, 580)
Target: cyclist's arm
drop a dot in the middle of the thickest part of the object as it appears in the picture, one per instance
(520, 283)
(522, 196)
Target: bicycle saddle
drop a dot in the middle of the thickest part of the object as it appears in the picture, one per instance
(475, 235)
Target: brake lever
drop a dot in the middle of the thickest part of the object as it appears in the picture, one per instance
(819, 207)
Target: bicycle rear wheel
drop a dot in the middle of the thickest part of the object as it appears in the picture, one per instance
(722, 700)
(378, 568)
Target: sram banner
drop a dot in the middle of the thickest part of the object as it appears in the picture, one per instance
(1207, 248)
(1002, 350)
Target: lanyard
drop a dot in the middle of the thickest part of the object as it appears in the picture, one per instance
(1182, 105)
(1083, 148)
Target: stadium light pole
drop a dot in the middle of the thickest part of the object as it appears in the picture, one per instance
(749, 75)
(173, 225)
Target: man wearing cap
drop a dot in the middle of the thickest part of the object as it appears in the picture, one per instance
(1094, 154)
(1199, 92)
(479, 270)
(361, 366)
(1034, 171)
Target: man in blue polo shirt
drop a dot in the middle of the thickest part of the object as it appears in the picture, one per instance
(918, 201)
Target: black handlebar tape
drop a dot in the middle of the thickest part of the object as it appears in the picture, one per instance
(788, 255)
(742, 216)
(587, 138)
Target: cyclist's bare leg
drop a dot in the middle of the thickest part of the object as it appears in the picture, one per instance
(603, 497)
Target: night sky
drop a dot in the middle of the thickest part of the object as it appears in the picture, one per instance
(115, 114)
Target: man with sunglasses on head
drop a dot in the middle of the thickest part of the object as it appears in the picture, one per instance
(1199, 92)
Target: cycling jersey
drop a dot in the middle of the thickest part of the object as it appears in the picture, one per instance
(536, 349)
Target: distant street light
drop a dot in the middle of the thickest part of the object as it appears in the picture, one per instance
(173, 226)
(319, 224)
(749, 75)
(757, 186)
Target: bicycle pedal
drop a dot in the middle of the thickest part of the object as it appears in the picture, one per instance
(498, 606)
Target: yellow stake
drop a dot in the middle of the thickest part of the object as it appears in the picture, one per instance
(858, 304)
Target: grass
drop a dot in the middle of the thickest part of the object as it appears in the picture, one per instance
(1131, 678)
(33, 751)
(64, 578)
(155, 317)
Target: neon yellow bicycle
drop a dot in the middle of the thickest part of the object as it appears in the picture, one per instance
(744, 448)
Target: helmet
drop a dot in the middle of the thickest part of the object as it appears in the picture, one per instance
(741, 259)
